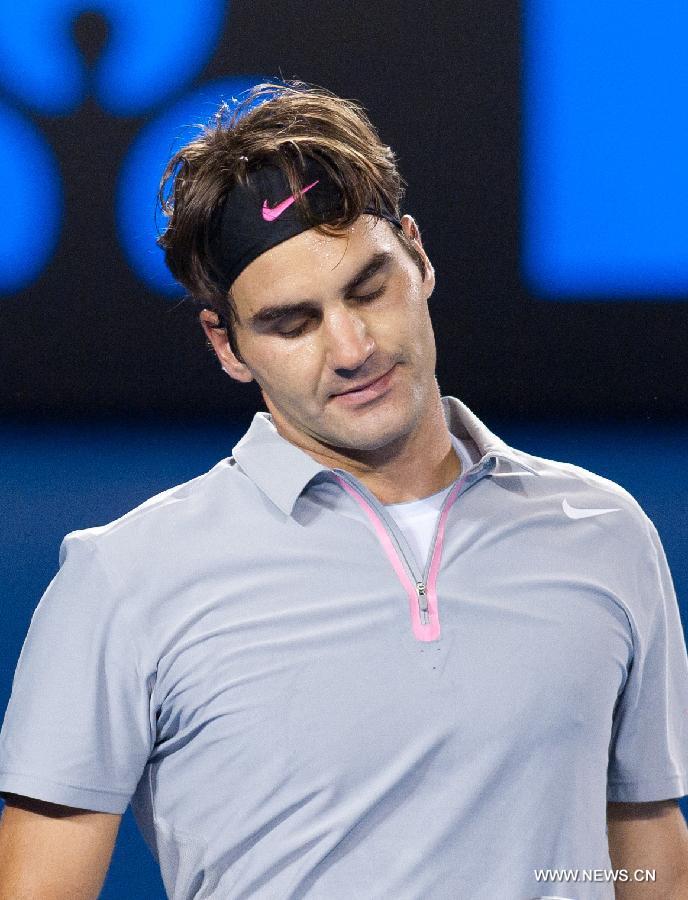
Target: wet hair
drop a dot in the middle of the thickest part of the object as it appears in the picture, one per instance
(274, 124)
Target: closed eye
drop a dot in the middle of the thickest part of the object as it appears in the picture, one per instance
(299, 329)
(294, 332)
(372, 296)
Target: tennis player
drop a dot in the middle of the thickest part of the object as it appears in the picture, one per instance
(376, 652)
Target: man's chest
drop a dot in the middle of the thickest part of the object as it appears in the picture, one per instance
(304, 660)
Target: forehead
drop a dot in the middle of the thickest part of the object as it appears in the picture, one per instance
(310, 260)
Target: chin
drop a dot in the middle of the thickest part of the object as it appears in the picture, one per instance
(379, 436)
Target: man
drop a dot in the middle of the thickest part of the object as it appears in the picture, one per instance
(377, 653)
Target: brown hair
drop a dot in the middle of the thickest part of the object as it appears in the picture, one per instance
(277, 124)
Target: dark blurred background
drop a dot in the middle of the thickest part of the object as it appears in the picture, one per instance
(544, 146)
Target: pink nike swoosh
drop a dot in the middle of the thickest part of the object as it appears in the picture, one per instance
(270, 213)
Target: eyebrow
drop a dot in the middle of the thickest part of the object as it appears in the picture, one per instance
(281, 310)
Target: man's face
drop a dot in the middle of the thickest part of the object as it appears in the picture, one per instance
(319, 318)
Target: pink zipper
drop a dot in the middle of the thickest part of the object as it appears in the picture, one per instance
(422, 596)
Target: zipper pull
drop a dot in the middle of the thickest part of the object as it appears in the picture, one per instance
(422, 602)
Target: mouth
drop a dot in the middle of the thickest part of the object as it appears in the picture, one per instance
(368, 391)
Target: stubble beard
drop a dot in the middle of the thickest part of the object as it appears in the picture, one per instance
(355, 440)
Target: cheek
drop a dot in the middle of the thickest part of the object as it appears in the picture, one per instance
(288, 369)
(412, 328)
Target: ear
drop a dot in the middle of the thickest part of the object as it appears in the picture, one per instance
(412, 232)
(217, 337)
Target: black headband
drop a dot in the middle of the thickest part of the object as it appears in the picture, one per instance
(257, 216)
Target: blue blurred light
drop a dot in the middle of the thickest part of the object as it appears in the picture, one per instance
(154, 48)
(137, 188)
(32, 200)
(605, 148)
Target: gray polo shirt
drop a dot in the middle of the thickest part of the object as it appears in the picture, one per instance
(297, 707)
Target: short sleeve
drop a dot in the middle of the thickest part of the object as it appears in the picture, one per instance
(77, 730)
(648, 758)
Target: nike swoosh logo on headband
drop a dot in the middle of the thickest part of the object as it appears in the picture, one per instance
(270, 213)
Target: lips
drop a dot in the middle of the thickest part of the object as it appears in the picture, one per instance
(361, 387)
(369, 390)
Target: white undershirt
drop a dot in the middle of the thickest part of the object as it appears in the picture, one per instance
(417, 519)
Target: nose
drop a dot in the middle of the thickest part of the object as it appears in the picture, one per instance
(349, 342)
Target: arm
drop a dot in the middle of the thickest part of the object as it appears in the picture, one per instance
(649, 836)
(51, 851)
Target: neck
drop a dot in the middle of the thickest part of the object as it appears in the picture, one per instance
(412, 475)
(414, 466)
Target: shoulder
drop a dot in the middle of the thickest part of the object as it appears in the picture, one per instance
(606, 530)
(168, 535)
(558, 476)
(136, 572)
(581, 493)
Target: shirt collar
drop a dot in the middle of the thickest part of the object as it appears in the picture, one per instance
(464, 423)
(279, 468)
(282, 470)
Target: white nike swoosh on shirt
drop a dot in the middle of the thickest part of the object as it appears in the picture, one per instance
(577, 512)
